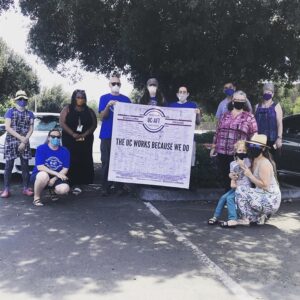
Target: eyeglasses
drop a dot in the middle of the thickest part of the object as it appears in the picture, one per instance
(115, 83)
(255, 146)
(54, 136)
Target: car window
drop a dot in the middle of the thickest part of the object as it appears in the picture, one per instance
(46, 123)
(291, 126)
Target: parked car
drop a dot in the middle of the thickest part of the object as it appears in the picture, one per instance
(289, 160)
(42, 124)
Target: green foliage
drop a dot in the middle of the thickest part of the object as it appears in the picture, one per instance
(296, 108)
(15, 74)
(50, 100)
(6, 105)
(200, 43)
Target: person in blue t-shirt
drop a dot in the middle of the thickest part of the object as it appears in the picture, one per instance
(52, 162)
(106, 110)
(183, 102)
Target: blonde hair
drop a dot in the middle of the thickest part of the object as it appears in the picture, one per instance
(238, 144)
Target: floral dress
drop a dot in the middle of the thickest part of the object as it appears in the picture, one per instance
(20, 122)
(255, 202)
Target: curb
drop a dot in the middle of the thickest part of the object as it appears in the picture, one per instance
(172, 194)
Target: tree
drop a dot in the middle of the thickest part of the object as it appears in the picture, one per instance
(15, 74)
(5, 4)
(202, 43)
(50, 100)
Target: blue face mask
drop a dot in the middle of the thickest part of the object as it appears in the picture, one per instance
(22, 103)
(267, 96)
(229, 92)
(55, 141)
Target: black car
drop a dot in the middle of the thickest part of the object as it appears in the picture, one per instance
(289, 161)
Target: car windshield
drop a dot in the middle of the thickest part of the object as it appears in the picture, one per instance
(46, 123)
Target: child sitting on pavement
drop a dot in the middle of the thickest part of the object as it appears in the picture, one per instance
(237, 179)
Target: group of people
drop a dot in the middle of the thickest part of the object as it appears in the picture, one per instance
(66, 158)
(245, 143)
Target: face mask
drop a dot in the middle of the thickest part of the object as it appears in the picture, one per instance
(267, 96)
(254, 152)
(241, 155)
(22, 103)
(229, 92)
(152, 89)
(238, 105)
(115, 89)
(182, 97)
(55, 142)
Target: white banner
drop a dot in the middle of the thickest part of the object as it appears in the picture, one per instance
(152, 145)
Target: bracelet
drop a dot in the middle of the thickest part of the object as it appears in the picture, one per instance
(279, 137)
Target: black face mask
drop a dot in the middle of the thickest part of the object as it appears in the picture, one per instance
(254, 152)
(241, 155)
(238, 105)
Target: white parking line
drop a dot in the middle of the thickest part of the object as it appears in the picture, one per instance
(228, 282)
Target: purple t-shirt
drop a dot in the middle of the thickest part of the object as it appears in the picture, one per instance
(8, 114)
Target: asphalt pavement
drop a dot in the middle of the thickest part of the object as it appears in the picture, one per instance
(89, 247)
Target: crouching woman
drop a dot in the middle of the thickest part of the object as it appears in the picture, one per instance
(52, 162)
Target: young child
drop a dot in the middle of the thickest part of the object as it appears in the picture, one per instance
(19, 127)
(237, 179)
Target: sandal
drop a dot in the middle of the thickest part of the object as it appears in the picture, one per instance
(212, 221)
(37, 202)
(229, 224)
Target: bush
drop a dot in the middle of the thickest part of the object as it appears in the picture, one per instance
(205, 173)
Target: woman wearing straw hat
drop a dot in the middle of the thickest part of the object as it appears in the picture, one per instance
(19, 127)
(256, 205)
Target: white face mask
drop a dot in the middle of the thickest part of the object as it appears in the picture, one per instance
(152, 90)
(182, 97)
(115, 89)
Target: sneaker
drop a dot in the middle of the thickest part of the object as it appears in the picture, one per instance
(28, 192)
(5, 194)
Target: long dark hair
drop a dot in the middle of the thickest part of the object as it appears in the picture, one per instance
(159, 97)
(73, 99)
(266, 153)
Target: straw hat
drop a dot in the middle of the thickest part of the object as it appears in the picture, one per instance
(21, 94)
(258, 139)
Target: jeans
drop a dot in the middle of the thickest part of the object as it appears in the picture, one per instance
(229, 200)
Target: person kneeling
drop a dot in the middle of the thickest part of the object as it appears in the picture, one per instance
(52, 162)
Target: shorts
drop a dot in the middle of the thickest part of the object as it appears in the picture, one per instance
(57, 182)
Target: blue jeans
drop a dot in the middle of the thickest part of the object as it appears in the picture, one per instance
(229, 200)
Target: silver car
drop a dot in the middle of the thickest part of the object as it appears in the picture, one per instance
(43, 122)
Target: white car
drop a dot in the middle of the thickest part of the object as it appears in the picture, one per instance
(43, 123)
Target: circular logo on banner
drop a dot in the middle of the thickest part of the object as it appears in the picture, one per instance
(154, 120)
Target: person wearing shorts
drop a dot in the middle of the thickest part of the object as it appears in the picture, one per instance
(52, 162)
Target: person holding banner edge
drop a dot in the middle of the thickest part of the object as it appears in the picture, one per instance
(183, 102)
(106, 111)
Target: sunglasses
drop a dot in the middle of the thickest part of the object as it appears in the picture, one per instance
(54, 136)
(115, 83)
(255, 146)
